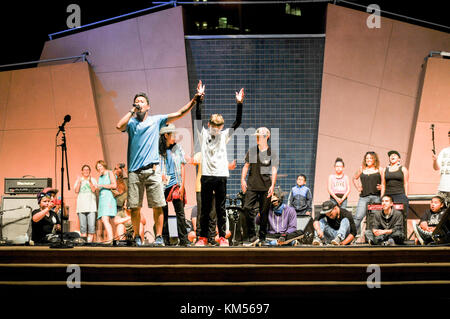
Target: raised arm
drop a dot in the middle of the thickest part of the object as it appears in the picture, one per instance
(182, 112)
(239, 100)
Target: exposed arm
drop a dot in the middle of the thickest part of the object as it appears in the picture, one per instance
(356, 181)
(274, 181)
(41, 214)
(383, 181)
(123, 122)
(348, 240)
(182, 112)
(330, 190)
(406, 180)
(435, 162)
(77, 185)
(244, 176)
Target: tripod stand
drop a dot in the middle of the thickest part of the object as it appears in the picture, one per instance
(61, 243)
(233, 211)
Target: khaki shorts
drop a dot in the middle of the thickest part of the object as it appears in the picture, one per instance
(150, 180)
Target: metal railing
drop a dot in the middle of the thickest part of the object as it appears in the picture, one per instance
(111, 19)
(76, 57)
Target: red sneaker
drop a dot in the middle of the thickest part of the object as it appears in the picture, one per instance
(202, 241)
(223, 242)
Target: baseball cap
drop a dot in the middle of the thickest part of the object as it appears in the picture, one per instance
(167, 129)
(49, 190)
(262, 131)
(327, 207)
(41, 195)
(393, 152)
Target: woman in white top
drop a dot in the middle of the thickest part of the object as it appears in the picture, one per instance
(85, 187)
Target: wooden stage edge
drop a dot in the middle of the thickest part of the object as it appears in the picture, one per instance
(208, 275)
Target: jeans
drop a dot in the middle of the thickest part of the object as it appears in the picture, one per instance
(361, 208)
(330, 233)
(396, 235)
(87, 222)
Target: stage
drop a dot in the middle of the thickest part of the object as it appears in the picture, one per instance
(232, 274)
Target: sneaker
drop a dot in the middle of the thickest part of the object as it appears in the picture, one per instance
(223, 242)
(159, 242)
(317, 241)
(417, 233)
(336, 241)
(201, 242)
(138, 241)
(389, 242)
(253, 242)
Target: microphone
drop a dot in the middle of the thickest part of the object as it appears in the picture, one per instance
(137, 106)
(67, 119)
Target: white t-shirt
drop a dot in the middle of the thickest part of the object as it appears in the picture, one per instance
(444, 166)
(86, 199)
(214, 153)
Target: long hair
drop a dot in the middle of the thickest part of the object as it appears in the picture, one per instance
(163, 145)
(375, 156)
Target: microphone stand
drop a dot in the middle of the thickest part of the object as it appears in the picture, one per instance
(61, 243)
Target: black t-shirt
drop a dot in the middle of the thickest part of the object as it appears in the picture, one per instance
(261, 163)
(43, 227)
(336, 223)
(431, 218)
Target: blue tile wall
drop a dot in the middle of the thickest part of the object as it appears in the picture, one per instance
(282, 80)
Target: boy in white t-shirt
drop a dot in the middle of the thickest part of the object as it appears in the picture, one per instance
(213, 143)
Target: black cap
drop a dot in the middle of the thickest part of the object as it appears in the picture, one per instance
(327, 207)
(394, 152)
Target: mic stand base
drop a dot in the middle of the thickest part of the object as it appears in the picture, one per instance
(61, 245)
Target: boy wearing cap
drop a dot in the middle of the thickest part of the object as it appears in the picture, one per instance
(333, 225)
(387, 226)
(262, 162)
(45, 221)
(442, 163)
(213, 144)
(143, 158)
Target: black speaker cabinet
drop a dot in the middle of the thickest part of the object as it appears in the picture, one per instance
(15, 225)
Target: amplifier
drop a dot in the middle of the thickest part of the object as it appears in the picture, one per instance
(26, 185)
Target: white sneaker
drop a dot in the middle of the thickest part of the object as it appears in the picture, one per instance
(317, 241)
(417, 233)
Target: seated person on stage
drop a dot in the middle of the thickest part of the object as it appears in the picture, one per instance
(333, 225)
(300, 197)
(429, 221)
(46, 221)
(282, 221)
(387, 227)
(124, 227)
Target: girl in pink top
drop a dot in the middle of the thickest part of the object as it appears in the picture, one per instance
(339, 184)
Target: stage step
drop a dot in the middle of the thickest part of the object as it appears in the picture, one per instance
(302, 272)
(161, 273)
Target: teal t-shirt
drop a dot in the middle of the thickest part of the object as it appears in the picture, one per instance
(143, 140)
